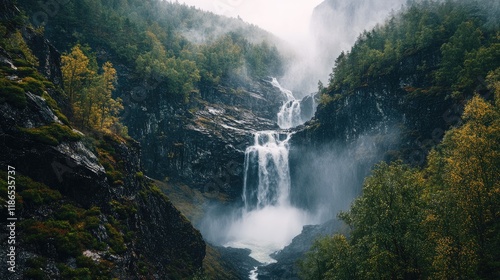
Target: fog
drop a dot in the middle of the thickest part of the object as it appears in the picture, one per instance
(284, 18)
(264, 231)
(325, 179)
(317, 31)
(267, 230)
(334, 27)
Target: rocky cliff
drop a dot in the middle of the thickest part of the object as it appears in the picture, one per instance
(84, 208)
(384, 119)
(202, 144)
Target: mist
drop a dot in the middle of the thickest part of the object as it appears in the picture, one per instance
(264, 230)
(324, 180)
(315, 32)
(333, 27)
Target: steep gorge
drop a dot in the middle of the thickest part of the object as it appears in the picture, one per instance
(213, 144)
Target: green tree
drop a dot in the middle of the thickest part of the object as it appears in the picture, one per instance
(90, 94)
(466, 39)
(330, 257)
(386, 224)
(387, 239)
(467, 165)
(76, 72)
(106, 109)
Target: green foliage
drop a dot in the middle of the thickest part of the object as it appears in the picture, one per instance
(466, 47)
(329, 258)
(36, 266)
(33, 85)
(90, 93)
(12, 94)
(116, 241)
(14, 42)
(74, 273)
(35, 194)
(221, 58)
(441, 222)
(52, 134)
(55, 108)
(152, 38)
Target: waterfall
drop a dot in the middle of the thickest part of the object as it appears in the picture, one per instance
(267, 174)
(290, 113)
(268, 221)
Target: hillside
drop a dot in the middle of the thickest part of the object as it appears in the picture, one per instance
(130, 128)
(82, 207)
(401, 87)
(420, 93)
(193, 85)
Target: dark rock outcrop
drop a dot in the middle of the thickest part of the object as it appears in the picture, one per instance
(202, 145)
(134, 231)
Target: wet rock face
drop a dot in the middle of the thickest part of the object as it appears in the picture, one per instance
(48, 57)
(203, 145)
(166, 241)
(160, 238)
(386, 119)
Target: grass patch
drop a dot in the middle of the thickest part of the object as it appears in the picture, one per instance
(52, 134)
(35, 193)
(68, 230)
(12, 93)
(33, 85)
(55, 108)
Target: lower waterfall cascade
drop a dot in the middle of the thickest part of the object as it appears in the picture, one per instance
(268, 221)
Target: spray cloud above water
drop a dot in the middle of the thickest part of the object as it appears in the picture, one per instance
(273, 211)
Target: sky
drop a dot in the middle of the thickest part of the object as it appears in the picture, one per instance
(315, 48)
(285, 18)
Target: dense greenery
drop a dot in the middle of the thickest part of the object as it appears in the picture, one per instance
(20, 77)
(461, 35)
(90, 93)
(60, 235)
(184, 48)
(439, 222)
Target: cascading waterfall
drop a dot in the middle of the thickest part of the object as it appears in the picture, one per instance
(290, 113)
(269, 222)
(267, 174)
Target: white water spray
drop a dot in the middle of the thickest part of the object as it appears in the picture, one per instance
(267, 174)
(290, 113)
(269, 222)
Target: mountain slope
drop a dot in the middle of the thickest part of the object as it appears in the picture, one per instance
(402, 85)
(193, 91)
(394, 95)
(73, 220)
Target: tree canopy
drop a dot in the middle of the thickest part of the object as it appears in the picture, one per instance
(438, 222)
(90, 93)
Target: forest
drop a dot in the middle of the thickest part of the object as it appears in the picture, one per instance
(439, 220)
(179, 45)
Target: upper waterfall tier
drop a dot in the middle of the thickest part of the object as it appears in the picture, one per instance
(290, 113)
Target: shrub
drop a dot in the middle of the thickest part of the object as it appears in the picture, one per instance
(13, 95)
